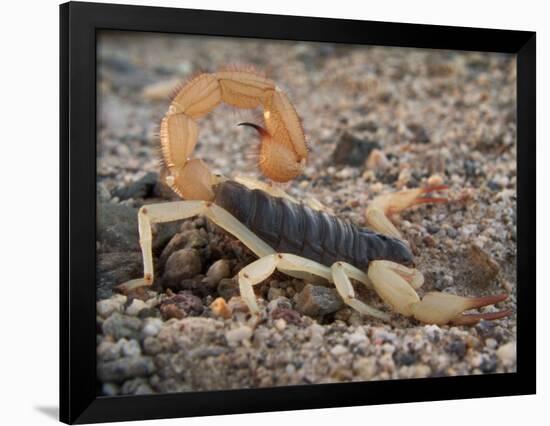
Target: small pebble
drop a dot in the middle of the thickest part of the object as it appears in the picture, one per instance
(218, 270)
(152, 326)
(491, 343)
(377, 161)
(107, 306)
(507, 354)
(357, 338)
(280, 324)
(135, 307)
(220, 308)
(435, 180)
(110, 389)
(339, 350)
(238, 334)
(317, 301)
(228, 288)
(131, 348)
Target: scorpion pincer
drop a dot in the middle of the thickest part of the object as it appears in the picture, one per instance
(297, 238)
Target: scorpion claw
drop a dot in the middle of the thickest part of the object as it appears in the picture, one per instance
(472, 319)
(443, 308)
(428, 189)
(389, 204)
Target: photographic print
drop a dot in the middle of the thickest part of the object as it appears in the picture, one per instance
(274, 213)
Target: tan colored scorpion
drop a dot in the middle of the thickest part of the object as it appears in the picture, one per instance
(298, 239)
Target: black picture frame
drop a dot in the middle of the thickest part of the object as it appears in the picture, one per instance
(79, 23)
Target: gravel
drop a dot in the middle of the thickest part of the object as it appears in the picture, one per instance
(377, 120)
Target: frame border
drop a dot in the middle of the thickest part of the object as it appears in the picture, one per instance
(79, 23)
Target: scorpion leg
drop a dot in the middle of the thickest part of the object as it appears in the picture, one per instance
(262, 268)
(340, 273)
(386, 205)
(168, 212)
(435, 308)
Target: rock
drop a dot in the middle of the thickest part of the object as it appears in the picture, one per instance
(122, 74)
(119, 326)
(279, 303)
(274, 293)
(135, 386)
(280, 324)
(357, 338)
(435, 180)
(472, 169)
(198, 285)
(152, 345)
(148, 313)
(404, 358)
(115, 304)
(429, 241)
(110, 389)
(458, 348)
(494, 186)
(507, 354)
(419, 133)
(228, 288)
(177, 242)
(432, 228)
(381, 335)
(130, 348)
(488, 365)
(290, 316)
(218, 270)
(366, 126)
(238, 334)
(238, 305)
(152, 326)
(141, 188)
(316, 333)
(181, 264)
(365, 368)
(433, 332)
(181, 305)
(452, 233)
(352, 151)
(316, 301)
(117, 229)
(135, 307)
(102, 193)
(189, 239)
(339, 350)
(491, 343)
(484, 269)
(170, 310)
(377, 161)
(114, 269)
(125, 368)
(220, 308)
(195, 238)
(108, 351)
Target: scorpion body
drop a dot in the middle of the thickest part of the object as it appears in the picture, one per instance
(298, 229)
(286, 235)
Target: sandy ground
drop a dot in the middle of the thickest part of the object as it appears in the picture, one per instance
(428, 112)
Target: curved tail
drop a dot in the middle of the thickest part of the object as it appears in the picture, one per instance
(282, 151)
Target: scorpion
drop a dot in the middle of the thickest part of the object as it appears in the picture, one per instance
(300, 239)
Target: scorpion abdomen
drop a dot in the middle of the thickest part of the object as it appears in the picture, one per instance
(296, 228)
